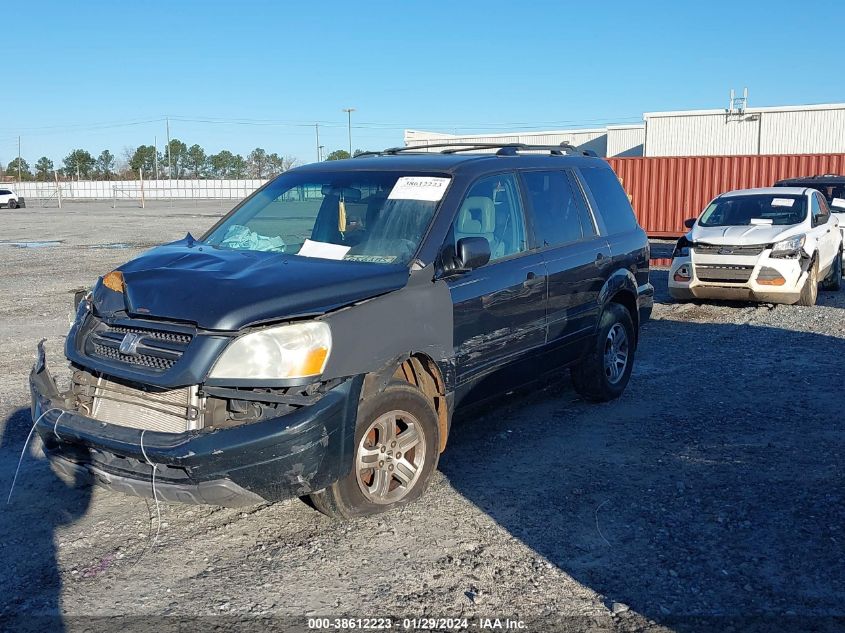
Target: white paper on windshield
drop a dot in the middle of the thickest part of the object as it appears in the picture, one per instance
(783, 202)
(419, 188)
(324, 250)
(838, 202)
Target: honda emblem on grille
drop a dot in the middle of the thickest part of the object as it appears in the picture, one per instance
(129, 344)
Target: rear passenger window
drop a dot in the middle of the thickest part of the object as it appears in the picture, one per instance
(612, 202)
(560, 215)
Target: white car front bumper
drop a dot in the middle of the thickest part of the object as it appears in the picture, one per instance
(739, 277)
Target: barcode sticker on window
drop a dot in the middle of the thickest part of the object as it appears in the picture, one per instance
(425, 188)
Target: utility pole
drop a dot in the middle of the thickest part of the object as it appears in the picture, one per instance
(169, 164)
(349, 112)
(155, 154)
(19, 160)
(317, 130)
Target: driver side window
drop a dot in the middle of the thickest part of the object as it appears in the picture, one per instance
(492, 209)
(818, 207)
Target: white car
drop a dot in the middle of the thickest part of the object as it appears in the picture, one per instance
(9, 198)
(771, 244)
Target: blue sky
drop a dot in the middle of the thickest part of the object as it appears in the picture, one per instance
(102, 75)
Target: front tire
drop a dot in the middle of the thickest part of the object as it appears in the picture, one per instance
(397, 440)
(833, 281)
(604, 373)
(810, 291)
(13, 204)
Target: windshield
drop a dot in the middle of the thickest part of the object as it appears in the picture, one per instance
(779, 210)
(376, 217)
(834, 194)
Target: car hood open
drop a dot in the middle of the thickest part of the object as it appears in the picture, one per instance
(222, 289)
(741, 235)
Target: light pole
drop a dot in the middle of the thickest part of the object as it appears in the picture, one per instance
(349, 112)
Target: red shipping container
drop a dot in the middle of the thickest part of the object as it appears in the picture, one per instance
(664, 191)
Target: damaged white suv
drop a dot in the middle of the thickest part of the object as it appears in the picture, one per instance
(770, 244)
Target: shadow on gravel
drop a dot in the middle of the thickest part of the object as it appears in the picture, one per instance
(712, 490)
(40, 504)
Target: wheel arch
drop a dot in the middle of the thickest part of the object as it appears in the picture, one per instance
(422, 371)
(621, 288)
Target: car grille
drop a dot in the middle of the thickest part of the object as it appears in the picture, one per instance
(150, 408)
(156, 351)
(723, 273)
(725, 249)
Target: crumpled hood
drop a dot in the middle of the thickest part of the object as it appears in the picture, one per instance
(742, 235)
(222, 289)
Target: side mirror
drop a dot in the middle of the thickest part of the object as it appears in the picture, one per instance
(473, 252)
(821, 219)
(838, 205)
(689, 222)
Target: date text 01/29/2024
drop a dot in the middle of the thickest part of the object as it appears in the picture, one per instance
(415, 624)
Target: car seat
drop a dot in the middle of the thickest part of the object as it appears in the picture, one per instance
(476, 218)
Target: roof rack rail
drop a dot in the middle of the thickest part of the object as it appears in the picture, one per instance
(504, 149)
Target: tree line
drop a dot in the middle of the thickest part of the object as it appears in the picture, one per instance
(181, 162)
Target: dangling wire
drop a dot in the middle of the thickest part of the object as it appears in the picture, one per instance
(23, 451)
(155, 494)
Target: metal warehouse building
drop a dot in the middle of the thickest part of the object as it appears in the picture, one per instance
(615, 140)
(810, 129)
(816, 129)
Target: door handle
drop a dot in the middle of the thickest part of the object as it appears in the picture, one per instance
(531, 279)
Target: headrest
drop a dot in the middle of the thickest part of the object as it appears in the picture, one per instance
(349, 194)
(477, 215)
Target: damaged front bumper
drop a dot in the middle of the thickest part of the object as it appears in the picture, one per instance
(296, 454)
(759, 278)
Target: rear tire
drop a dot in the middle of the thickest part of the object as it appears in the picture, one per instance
(810, 291)
(604, 373)
(386, 472)
(833, 281)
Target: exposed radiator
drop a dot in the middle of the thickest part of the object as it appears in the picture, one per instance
(168, 411)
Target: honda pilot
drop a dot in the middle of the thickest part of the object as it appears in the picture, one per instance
(317, 340)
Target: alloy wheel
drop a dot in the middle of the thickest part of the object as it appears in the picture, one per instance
(390, 457)
(616, 351)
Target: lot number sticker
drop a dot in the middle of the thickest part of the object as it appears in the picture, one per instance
(419, 188)
(782, 202)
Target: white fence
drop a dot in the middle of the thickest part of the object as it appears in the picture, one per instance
(118, 190)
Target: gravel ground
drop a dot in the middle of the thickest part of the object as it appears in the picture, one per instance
(711, 491)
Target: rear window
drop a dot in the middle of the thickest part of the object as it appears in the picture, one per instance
(775, 209)
(613, 204)
(559, 212)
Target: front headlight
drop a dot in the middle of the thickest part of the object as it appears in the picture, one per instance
(299, 350)
(681, 248)
(789, 247)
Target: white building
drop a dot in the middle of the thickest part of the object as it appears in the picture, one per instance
(810, 129)
(617, 140)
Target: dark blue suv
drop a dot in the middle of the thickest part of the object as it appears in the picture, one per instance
(316, 341)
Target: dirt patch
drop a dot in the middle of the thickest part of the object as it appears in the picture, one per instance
(712, 490)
